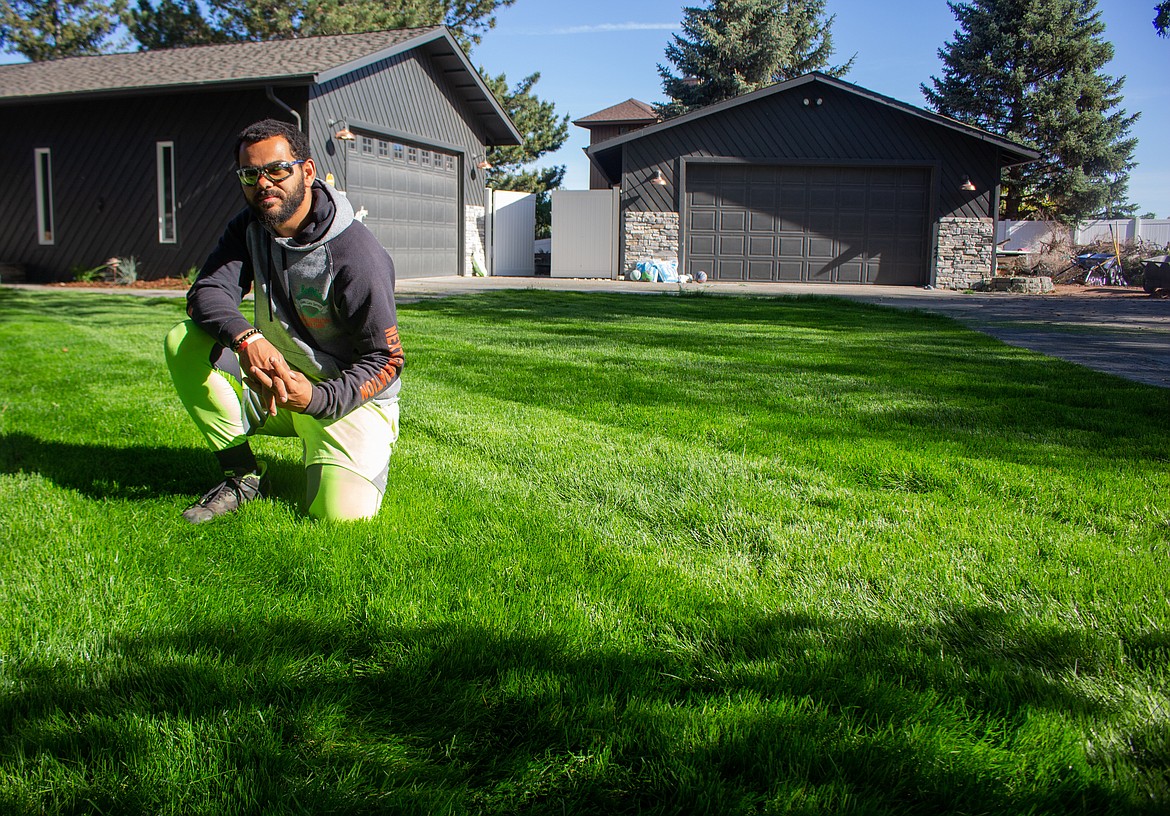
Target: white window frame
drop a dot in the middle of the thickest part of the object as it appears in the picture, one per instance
(43, 170)
(166, 207)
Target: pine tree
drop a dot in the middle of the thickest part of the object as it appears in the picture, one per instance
(50, 29)
(733, 47)
(180, 22)
(1162, 18)
(1032, 71)
(543, 132)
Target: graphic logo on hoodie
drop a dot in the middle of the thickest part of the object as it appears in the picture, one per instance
(311, 308)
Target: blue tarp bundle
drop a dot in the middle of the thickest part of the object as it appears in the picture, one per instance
(658, 271)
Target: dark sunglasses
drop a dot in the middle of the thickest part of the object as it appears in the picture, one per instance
(275, 172)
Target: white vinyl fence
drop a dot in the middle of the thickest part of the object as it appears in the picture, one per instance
(1030, 236)
(511, 227)
(584, 233)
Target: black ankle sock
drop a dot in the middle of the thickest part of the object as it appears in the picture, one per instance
(237, 461)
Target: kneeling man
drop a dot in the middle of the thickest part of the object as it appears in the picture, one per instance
(319, 360)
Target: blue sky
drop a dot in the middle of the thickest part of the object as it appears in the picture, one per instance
(595, 54)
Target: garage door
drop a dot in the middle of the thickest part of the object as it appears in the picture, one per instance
(811, 224)
(411, 195)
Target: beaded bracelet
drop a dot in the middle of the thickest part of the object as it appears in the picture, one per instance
(249, 340)
(243, 339)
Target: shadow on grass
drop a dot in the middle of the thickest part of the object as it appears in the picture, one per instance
(132, 473)
(330, 715)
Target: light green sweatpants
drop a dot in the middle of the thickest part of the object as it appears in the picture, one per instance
(346, 460)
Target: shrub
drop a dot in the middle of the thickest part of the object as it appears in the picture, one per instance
(125, 270)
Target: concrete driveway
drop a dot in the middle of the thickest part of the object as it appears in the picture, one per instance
(1119, 331)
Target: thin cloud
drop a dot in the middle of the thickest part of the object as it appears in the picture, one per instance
(605, 28)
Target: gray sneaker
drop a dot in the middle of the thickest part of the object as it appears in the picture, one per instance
(227, 496)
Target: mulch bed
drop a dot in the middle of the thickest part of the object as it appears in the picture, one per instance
(158, 283)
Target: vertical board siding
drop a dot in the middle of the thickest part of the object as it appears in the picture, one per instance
(406, 94)
(845, 128)
(105, 193)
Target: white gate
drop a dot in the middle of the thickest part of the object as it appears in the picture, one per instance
(585, 233)
(511, 232)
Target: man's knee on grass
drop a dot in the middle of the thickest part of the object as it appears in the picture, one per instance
(337, 494)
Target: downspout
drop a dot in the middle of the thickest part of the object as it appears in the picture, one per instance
(272, 98)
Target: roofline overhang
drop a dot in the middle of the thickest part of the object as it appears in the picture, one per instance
(252, 83)
(581, 123)
(1022, 154)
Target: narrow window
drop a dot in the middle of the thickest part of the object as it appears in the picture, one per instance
(168, 232)
(383, 149)
(44, 181)
(412, 155)
(426, 158)
(367, 145)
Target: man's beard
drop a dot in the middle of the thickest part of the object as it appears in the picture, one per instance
(273, 217)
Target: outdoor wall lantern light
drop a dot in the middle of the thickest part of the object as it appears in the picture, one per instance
(967, 186)
(345, 134)
(659, 179)
(808, 101)
(482, 166)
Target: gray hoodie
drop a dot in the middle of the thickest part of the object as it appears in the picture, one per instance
(325, 299)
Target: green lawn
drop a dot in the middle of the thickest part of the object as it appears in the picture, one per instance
(641, 554)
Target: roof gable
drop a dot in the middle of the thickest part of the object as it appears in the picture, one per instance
(1014, 152)
(632, 110)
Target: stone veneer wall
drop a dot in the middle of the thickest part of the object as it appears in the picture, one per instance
(650, 236)
(966, 248)
(474, 240)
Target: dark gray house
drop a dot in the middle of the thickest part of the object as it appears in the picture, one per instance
(131, 154)
(816, 180)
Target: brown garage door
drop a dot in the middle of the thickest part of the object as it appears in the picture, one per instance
(411, 197)
(812, 224)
